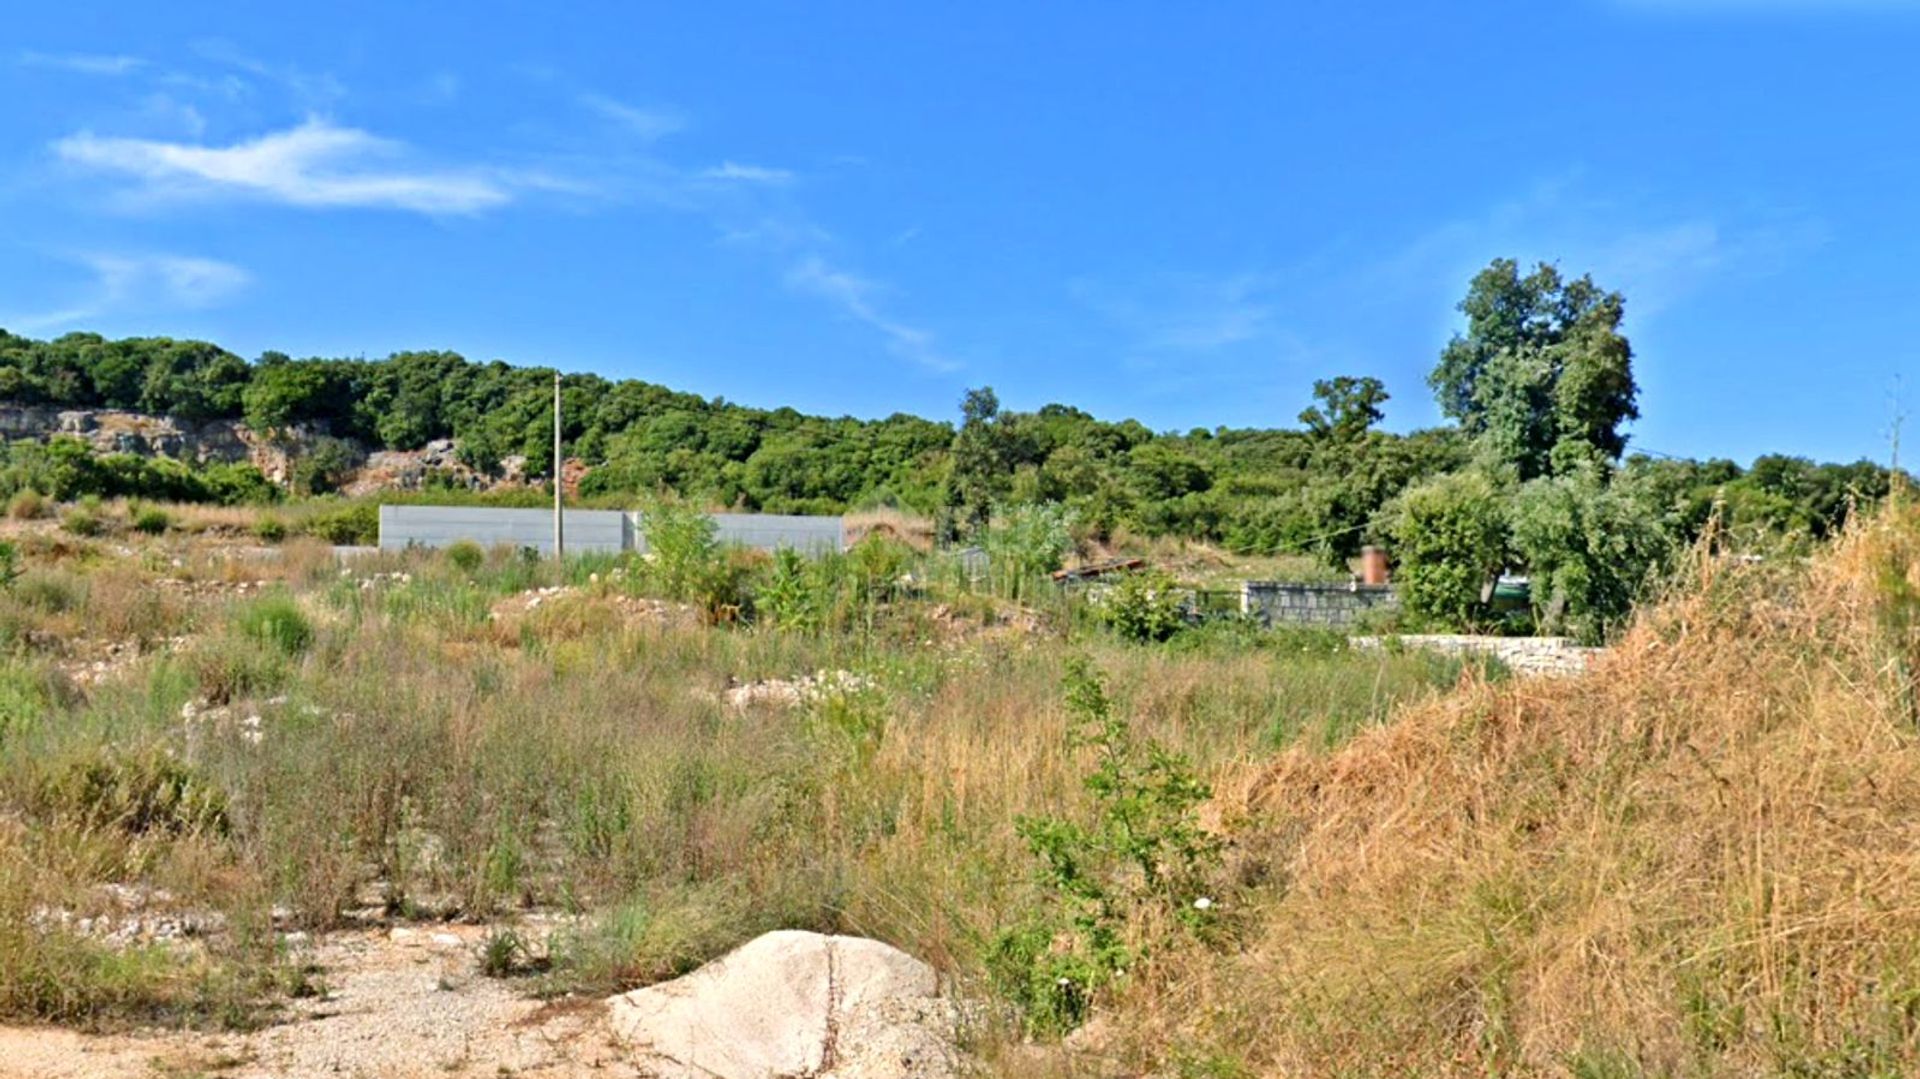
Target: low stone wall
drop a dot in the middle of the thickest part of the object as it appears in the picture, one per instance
(1333, 606)
(1524, 655)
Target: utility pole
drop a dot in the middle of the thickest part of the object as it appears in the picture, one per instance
(559, 530)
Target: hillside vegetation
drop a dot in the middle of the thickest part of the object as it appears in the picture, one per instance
(1538, 388)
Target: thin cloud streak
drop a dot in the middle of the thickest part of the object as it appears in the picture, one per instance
(751, 174)
(1186, 313)
(647, 123)
(853, 295)
(84, 63)
(137, 283)
(315, 164)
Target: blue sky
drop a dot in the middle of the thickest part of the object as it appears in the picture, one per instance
(1183, 213)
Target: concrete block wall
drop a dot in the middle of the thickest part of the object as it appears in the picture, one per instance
(591, 530)
(1332, 606)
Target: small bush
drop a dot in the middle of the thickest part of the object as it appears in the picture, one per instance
(1139, 876)
(792, 596)
(27, 504)
(148, 792)
(1142, 607)
(348, 526)
(81, 521)
(270, 529)
(51, 591)
(151, 520)
(466, 556)
(681, 548)
(277, 621)
(1026, 543)
(24, 700)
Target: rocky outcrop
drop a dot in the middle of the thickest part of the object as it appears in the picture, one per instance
(114, 431)
(793, 1003)
(107, 430)
(411, 470)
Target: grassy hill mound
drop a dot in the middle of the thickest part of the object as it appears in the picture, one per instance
(1702, 859)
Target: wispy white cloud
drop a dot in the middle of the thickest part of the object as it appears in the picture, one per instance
(315, 164)
(1185, 313)
(648, 123)
(83, 63)
(1656, 259)
(134, 284)
(311, 89)
(853, 295)
(751, 174)
(169, 111)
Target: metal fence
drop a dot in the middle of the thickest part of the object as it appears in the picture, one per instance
(402, 527)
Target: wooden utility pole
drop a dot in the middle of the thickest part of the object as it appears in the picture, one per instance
(559, 530)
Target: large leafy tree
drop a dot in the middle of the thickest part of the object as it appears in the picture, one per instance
(1543, 378)
(1348, 407)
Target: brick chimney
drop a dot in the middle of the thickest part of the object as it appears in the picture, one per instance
(1373, 566)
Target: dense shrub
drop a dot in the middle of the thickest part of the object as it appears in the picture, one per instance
(1590, 550)
(1451, 538)
(151, 520)
(466, 556)
(1141, 607)
(352, 525)
(1025, 543)
(681, 548)
(83, 521)
(27, 504)
(137, 792)
(277, 621)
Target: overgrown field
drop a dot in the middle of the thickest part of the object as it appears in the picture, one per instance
(1227, 853)
(667, 756)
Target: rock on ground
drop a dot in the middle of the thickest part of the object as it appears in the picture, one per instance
(793, 1003)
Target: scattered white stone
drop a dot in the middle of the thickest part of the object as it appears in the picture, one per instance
(802, 690)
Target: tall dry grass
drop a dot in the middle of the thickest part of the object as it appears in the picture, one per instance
(404, 736)
(1701, 859)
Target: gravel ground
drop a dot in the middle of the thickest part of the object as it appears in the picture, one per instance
(401, 1003)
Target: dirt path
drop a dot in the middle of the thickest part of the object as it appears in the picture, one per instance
(400, 1004)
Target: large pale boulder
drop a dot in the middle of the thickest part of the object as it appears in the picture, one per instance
(793, 1003)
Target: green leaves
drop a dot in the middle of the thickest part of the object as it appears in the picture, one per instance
(1543, 378)
(1450, 535)
(1114, 886)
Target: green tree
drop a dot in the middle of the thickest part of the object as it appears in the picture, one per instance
(1590, 548)
(982, 468)
(1348, 407)
(1543, 378)
(1450, 534)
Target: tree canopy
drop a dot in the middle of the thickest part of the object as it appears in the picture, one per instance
(1542, 379)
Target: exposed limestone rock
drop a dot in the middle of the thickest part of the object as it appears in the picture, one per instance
(793, 1003)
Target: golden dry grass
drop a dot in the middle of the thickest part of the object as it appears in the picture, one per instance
(911, 529)
(1702, 859)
